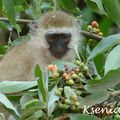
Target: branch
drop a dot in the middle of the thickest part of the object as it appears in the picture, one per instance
(17, 20)
(91, 35)
(85, 33)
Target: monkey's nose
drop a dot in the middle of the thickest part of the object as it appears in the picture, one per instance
(60, 49)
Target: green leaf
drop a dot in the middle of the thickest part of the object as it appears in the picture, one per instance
(46, 6)
(68, 92)
(30, 114)
(104, 45)
(113, 60)
(18, 2)
(3, 49)
(5, 25)
(95, 98)
(33, 103)
(0, 5)
(4, 100)
(16, 86)
(99, 62)
(112, 8)
(111, 79)
(82, 117)
(70, 6)
(96, 5)
(38, 73)
(51, 100)
(19, 8)
(105, 25)
(25, 98)
(9, 7)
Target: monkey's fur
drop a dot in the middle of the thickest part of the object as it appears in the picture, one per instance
(19, 63)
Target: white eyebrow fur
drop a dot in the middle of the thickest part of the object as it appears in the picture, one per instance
(41, 37)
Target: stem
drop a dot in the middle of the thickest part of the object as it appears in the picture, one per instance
(55, 5)
(17, 20)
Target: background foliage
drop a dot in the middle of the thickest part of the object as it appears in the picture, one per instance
(102, 56)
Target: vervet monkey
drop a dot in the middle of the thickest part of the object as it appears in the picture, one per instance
(53, 37)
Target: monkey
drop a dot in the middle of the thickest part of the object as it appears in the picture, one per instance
(53, 37)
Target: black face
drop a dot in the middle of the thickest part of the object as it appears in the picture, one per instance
(58, 43)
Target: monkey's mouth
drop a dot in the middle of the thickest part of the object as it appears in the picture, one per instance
(58, 53)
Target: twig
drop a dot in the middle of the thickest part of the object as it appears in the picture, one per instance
(91, 35)
(85, 33)
(17, 20)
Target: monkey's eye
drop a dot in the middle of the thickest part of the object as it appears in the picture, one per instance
(66, 37)
(51, 37)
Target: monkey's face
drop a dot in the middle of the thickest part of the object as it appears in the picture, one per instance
(58, 43)
(57, 33)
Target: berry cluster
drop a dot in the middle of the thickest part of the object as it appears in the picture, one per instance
(71, 78)
(94, 28)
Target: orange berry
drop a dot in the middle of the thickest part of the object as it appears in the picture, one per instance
(51, 67)
(94, 24)
(65, 75)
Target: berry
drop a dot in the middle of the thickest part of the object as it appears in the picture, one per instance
(58, 93)
(77, 62)
(94, 24)
(74, 76)
(77, 104)
(60, 89)
(100, 33)
(85, 68)
(55, 74)
(76, 70)
(80, 75)
(89, 27)
(50, 67)
(82, 65)
(74, 98)
(63, 106)
(67, 101)
(70, 82)
(65, 75)
(97, 30)
(73, 108)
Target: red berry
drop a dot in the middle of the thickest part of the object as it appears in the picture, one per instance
(94, 24)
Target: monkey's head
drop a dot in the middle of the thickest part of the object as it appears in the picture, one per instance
(56, 31)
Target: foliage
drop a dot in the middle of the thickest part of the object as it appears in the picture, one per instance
(92, 79)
